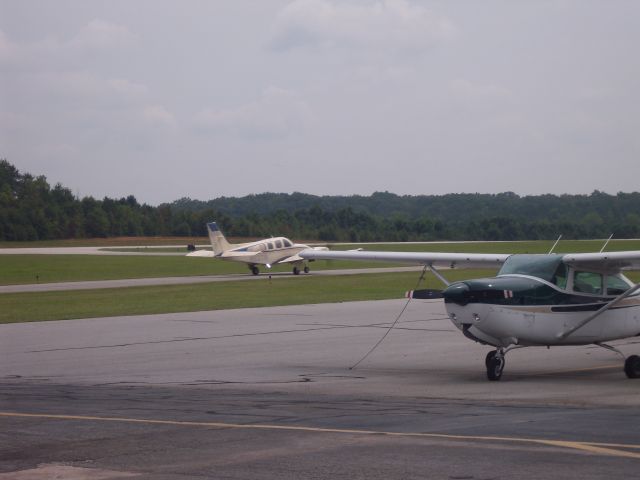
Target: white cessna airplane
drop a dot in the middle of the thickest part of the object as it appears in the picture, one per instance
(535, 300)
(269, 251)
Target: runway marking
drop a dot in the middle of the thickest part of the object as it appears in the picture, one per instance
(597, 448)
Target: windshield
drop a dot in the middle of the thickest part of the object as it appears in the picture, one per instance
(546, 267)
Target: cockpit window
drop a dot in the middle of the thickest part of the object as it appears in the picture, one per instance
(286, 242)
(560, 276)
(616, 285)
(278, 243)
(587, 282)
(546, 267)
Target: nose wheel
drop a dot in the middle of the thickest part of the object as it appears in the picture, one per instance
(632, 366)
(495, 364)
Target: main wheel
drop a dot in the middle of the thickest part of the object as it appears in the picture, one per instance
(296, 271)
(255, 270)
(632, 366)
(488, 358)
(306, 269)
(495, 365)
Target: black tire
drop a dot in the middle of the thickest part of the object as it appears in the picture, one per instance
(488, 358)
(306, 269)
(495, 367)
(296, 271)
(632, 366)
(255, 270)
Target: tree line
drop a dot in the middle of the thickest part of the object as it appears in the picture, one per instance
(31, 209)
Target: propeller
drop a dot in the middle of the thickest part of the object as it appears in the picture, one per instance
(425, 294)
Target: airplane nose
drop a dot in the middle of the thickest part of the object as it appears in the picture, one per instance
(457, 293)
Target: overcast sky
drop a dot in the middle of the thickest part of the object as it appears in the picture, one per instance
(165, 99)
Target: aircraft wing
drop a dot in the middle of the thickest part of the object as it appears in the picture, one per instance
(201, 253)
(227, 254)
(435, 259)
(298, 258)
(237, 254)
(607, 261)
(291, 259)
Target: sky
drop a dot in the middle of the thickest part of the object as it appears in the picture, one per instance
(168, 99)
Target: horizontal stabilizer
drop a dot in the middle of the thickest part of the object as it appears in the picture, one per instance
(425, 293)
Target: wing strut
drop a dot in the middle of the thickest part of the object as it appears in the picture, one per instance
(612, 303)
(438, 275)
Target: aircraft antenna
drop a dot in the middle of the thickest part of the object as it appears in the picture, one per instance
(554, 245)
(424, 270)
(606, 243)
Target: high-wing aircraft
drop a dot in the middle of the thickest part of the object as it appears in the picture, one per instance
(535, 300)
(269, 251)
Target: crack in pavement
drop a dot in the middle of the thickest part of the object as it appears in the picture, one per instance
(191, 339)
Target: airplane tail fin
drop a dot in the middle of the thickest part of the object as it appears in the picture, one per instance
(218, 242)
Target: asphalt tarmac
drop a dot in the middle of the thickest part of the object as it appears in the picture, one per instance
(267, 393)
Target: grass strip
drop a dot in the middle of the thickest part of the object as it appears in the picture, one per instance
(26, 269)
(27, 307)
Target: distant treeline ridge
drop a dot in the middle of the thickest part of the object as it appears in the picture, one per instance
(30, 209)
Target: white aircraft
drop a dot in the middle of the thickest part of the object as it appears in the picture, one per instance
(269, 251)
(535, 300)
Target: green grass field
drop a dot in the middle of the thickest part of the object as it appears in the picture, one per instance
(23, 307)
(25, 269)
(27, 307)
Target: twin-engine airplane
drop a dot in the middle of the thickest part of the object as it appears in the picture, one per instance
(269, 251)
(535, 300)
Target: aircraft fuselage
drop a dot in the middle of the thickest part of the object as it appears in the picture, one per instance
(517, 309)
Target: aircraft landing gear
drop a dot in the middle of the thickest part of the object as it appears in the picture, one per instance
(632, 366)
(255, 270)
(631, 363)
(296, 269)
(495, 364)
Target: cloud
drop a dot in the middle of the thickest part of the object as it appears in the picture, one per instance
(99, 35)
(466, 90)
(50, 83)
(66, 92)
(52, 53)
(157, 115)
(275, 114)
(388, 25)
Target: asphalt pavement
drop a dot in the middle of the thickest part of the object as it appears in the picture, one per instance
(268, 393)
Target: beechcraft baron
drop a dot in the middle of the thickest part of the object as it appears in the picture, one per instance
(535, 300)
(269, 251)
